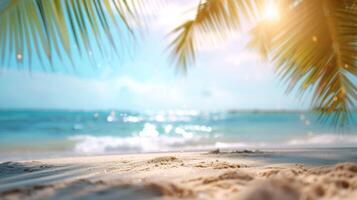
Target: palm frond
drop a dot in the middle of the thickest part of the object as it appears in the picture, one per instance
(217, 16)
(314, 47)
(54, 27)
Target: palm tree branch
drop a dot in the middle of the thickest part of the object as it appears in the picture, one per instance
(311, 54)
(50, 26)
(217, 16)
(313, 46)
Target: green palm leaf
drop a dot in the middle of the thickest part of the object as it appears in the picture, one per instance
(49, 26)
(313, 46)
(218, 16)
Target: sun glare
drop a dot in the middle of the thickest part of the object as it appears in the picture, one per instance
(271, 12)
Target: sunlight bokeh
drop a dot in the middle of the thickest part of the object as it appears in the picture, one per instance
(271, 11)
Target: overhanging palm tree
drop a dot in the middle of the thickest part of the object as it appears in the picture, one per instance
(54, 27)
(313, 45)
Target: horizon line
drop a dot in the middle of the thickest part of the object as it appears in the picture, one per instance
(157, 110)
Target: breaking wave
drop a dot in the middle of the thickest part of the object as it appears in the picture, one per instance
(161, 143)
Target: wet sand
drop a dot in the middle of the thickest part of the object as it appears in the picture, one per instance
(253, 175)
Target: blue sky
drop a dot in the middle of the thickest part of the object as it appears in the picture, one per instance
(226, 76)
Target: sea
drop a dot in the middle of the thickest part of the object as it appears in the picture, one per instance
(31, 133)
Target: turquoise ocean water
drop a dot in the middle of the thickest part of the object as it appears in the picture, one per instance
(73, 132)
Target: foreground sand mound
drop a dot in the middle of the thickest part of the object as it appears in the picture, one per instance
(335, 182)
(183, 176)
(274, 189)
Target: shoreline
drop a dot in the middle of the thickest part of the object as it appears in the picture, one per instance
(19, 156)
(182, 175)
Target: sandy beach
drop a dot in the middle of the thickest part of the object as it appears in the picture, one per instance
(184, 175)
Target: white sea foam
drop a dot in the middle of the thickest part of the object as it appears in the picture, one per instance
(139, 143)
(150, 141)
(168, 128)
(324, 139)
(132, 119)
(149, 131)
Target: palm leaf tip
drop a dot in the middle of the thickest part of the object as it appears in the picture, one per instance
(183, 47)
